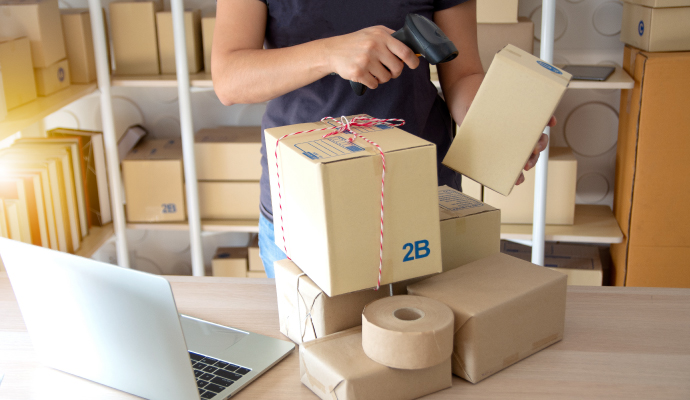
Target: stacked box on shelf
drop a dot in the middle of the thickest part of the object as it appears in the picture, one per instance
(17, 72)
(135, 43)
(656, 25)
(208, 25)
(166, 43)
(76, 27)
(230, 261)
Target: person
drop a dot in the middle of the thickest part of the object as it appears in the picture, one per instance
(300, 54)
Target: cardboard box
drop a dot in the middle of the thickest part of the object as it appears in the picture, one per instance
(506, 119)
(229, 200)
(230, 261)
(135, 43)
(505, 310)
(208, 25)
(581, 263)
(518, 207)
(255, 263)
(17, 72)
(166, 43)
(307, 313)
(76, 27)
(154, 182)
(39, 21)
(3, 103)
(470, 229)
(53, 78)
(491, 38)
(497, 11)
(656, 25)
(652, 172)
(228, 153)
(336, 367)
(331, 205)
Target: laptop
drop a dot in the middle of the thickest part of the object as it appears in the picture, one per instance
(120, 328)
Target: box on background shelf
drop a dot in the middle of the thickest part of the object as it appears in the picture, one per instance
(17, 72)
(491, 38)
(53, 78)
(76, 27)
(230, 261)
(228, 153)
(208, 24)
(255, 263)
(229, 200)
(497, 11)
(166, 43)
(135, 43)
(656, 25)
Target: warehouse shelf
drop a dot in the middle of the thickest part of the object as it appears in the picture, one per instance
(202, 80)
(96, 238)
(24, 116)
(593, 224)
(239, 225)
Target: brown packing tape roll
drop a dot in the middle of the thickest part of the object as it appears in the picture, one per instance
(407, 332)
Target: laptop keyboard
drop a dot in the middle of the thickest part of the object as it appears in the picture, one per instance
(213, 375)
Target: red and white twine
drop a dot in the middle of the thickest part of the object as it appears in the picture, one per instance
(345, 126)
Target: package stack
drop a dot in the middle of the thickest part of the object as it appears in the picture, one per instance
(651, 169)
(76, 27)
(239, 262)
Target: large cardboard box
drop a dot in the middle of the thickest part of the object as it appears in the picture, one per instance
(53, 78)
(255, 263)
(656, 25)
(228, 153)
(229, 200)
(17, 72)
(230, 261)
(470, 229)
(307, 313)
(491, 38)
(497, 11)
(653, 173)
(513, 105)
(166, 43)
(208, 25)
(518, 207)
(154, 182)
(336, 367)
(135, 42)
(330, 205)
(76, 27)
(506, 309)
(39, 21)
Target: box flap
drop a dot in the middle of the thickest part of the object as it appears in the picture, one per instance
(158, 149)
(660, 3)
(229, 134)
(455, 204)
(535, 64)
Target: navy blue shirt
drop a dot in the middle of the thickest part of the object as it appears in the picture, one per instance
(411, 96)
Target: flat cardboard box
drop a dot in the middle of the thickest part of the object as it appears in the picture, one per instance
(39, 21)
(470, 229)
(505, 310)
(307, 313)
(135, 42)
(228, 153)
(230, 261)
(657, 25)
(331, 205)
(229, 200)
(581, 263)
(561, 183)
(154, 182)
(491, 38)
(17, 72)
(256, 274)
(652, 172)
(506, 119)
(497, 11)
(208, 25)
(336, 367)
(76, 27)
(255, 263)
(53, 78)
(166, 43)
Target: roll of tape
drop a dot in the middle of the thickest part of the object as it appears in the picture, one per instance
(407, 332)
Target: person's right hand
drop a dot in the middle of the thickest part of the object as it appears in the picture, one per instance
(370, 56)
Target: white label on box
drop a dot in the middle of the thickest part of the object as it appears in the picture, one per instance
(332, 146)
(452, 200)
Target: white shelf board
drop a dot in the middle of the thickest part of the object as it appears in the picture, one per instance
(593, 224)
(24, 116)
(201, 79)
(97, 236)
(246, 225)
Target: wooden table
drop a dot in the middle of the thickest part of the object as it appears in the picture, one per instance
(620, 343)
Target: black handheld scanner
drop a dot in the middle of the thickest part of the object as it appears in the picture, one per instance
(425, 38)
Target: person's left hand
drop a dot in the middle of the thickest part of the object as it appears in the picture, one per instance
(541, 145)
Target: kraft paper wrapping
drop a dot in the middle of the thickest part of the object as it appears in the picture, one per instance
(407, 332)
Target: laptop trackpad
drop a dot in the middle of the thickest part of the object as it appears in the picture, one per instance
(208, 338)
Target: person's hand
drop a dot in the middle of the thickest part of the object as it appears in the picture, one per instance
(370, 56)
(541, 145)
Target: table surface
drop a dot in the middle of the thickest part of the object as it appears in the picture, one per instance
(619, 343)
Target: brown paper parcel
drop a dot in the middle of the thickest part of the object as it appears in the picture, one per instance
(335, 367)
(407, 332)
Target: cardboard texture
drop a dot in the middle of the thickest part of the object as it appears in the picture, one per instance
(17, 72)
(76, 27)
(491, 38)
(407, 332)
(208, 25)
(470, 229)
(652, 172)
(255, 263)
(229, 200)
(154, 182)
(657, 25)
(230, 261)
(53, 78)
(497, 11)
(228, 153)
(166, 44)
(306, 312)
(518, 207)
(335, 367)
(331, 205)
(135, 42)
(513, 105)
(39, 21)
(505, 310)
